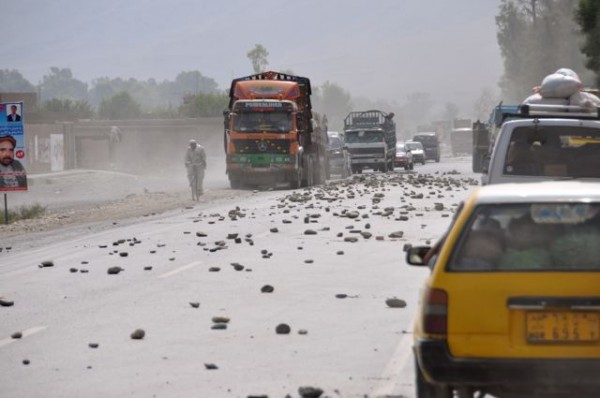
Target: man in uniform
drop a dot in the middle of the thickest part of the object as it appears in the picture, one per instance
(195, 158)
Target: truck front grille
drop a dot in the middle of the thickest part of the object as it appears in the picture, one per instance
(258, 146)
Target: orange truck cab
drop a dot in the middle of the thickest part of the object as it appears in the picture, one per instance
(271, 134)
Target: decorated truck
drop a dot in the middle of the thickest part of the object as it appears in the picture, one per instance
(271, 134)
(370, 137)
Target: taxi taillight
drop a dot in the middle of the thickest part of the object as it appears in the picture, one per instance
(435, 312)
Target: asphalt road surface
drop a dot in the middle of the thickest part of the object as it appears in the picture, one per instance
(76, 319)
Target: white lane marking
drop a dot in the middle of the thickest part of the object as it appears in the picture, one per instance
(26, 333)
(393, 370)
(180, 269)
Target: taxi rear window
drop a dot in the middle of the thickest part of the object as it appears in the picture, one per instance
(530, 237)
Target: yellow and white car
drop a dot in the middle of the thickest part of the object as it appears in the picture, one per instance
(512, 306)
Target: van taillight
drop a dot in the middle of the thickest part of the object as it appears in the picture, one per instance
(435, 311)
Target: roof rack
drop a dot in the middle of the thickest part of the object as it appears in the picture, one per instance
(371, 118)
(503, 112)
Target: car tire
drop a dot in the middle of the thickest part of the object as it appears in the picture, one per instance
(425, 389)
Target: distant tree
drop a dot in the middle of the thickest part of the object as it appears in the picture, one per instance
(69, 109)
(333, 100)
(536, 38)
(483, 105)
(61, 84)
(193, 82)
(451, 111)
(119, 107)
(258, 55)
(417, 109)
(588, 18)
(11, 81)
(204, 105)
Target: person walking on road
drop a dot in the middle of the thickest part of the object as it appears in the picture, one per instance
(195, 163)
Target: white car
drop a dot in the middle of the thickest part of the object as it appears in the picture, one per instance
(418, 153)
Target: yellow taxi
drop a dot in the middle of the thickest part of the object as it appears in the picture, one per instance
(512, 305)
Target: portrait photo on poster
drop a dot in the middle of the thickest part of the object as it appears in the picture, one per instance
(13, 176)
(13, 113)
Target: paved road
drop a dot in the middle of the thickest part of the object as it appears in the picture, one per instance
(332, 293)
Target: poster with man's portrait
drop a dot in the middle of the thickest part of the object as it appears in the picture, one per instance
(13, 176)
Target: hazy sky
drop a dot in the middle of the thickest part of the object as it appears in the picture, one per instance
(378, 49)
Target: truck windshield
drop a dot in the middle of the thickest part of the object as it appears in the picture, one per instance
(530, 237)
(279, 122)
(367, 136)
(335, 143)
(554, 151)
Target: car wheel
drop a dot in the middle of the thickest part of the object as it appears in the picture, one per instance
(425, 389)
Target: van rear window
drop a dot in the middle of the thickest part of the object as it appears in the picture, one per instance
(554, 151)
(530, 237)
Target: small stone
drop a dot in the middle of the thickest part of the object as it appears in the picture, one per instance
(232, 236)
(73, 270)
(397, 234)
(16, 335)
(219, 326)
(340, 253)
(220, 319)
(194, 304)
(283, 328)
(211, 366)
(93, 345)
(303, 332)
(26, 362)
(46, 264)
(310, 392)
(406, 247)
(366, 234)
(123, 254)
(341, 296)
(114, 270)
(6, 303)
(274, 230)
(395, 303)
(201, 234)
(148, 268)
(267, 289)
(309, 261)
(138, 334)
(351, 239)
(214, 269)
(310, 232)
(237, 266)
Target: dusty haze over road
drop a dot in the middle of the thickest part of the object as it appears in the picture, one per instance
(380, 50)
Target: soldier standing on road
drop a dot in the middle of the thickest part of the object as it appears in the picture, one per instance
(114, 138)
(195, 158)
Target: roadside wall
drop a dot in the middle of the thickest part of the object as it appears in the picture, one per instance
(147, 146)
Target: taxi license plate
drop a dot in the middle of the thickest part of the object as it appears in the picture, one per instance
(562, 327)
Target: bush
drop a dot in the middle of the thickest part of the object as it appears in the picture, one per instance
(24, 213)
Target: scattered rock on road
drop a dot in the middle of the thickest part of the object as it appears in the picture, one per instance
(395, 303)
(283, 328)
(310, 392)
(138, 334)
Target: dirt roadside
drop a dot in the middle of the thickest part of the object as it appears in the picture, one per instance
(96, 200)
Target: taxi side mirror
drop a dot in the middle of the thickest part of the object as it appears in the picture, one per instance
(416, 255)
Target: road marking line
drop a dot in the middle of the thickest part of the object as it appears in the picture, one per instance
(393, 370)
(180, 269)
(26, 333)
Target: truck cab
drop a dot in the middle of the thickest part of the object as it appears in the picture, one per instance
(431, 145)
(370, 137)
(533, 143)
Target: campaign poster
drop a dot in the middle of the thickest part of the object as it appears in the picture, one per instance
(13, 176)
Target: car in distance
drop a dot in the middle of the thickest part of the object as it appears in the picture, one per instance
(338, 156)
(512, 305)
(404, 157)
(431, 144)
(416, 148)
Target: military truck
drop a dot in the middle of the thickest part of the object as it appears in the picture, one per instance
(370, 137)
(271, 133)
